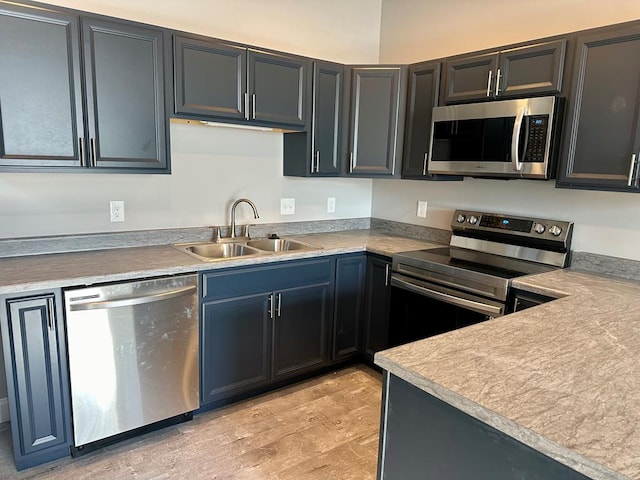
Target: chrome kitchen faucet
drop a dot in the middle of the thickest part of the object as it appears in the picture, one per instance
(233, 215)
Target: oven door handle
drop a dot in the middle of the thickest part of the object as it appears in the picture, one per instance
(490, 310)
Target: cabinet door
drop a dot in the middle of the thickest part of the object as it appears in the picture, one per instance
(378, 301)
(301, 320)
(279, 86)
(236, 346)
(125, 95)
(348, 306)
(602, 137)
(40, 88)
(319, 152)
(376, 128)
(531, 70)
(470, 78)
(210, 78)
(37, 380)
(424, 88)
(328, 80)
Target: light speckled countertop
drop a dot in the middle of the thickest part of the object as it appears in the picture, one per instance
(562, 377)
(37, 272)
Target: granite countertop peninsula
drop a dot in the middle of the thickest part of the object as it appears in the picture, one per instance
(37, 272)
(562, 377)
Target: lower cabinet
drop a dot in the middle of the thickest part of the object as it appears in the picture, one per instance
(349, 305)
(378, 305)
(263, 324)
(424, 437)
(301, 321)
(33, 340)
(235, 346)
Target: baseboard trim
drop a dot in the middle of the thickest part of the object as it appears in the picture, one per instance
(4, 410)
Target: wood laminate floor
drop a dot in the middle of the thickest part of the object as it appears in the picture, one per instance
(325, 428)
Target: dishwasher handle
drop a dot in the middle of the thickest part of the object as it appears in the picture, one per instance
(130, 301)
(480, 307)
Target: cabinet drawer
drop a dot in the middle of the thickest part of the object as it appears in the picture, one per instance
(232, 282)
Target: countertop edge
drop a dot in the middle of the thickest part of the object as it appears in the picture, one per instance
(538, 442)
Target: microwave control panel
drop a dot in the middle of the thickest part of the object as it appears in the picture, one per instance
(536, 138)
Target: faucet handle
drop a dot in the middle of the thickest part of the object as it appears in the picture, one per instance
(246, 230)
(216, 234)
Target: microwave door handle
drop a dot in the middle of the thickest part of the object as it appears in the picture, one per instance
(515, 140)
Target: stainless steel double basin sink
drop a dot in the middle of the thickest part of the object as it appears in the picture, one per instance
(212, 251)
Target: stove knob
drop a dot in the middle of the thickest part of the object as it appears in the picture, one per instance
(473, 219)
(460, 218)
(539, 228)
(555, 230)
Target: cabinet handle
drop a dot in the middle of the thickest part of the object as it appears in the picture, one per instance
(50, 312)
(498, 75)
(253, 106)
(317, 161)
(424, 164)
(82, 159)
(93, 152)
(351, 162)
(270, 310)
(489, 83)
(246, 105)
(279, 306)
(387, 268)
(631, 169)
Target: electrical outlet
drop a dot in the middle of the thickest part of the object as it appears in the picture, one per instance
(422, 209)
(116, 209)
(287, 206)
(331, 205)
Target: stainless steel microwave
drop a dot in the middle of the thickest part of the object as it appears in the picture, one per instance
(510, 138)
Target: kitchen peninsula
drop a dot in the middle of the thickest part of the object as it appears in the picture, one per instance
(560, 378)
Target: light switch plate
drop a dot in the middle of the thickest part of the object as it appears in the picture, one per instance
(331, 205)
(422, 209)
(287, 206)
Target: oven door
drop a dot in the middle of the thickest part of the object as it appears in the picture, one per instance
(421, 309)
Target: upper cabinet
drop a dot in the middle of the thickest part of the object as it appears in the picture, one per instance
(319, 152)
(219, 81)
(210, 78)
(376, 126)
(529, 70)
(602, 131)
(47, 60)
(424, 89)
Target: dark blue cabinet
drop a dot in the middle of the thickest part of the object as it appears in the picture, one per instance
(378, 305)
(301, 318)
(424, 437)
(217, 80)
(34, 347)
(319, 152)
(348, 306)
(263, 324)
(235, 345)
(80, 91)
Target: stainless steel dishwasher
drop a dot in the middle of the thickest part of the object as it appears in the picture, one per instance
(133, 355)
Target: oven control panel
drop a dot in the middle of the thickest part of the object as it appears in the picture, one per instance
(557, 230)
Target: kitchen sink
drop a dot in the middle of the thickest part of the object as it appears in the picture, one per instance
(210, 251)
(279, 245)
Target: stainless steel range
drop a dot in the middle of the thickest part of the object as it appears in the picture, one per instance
(469, 281)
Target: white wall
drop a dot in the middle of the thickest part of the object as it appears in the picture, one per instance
(211, 165)
(414, 30)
